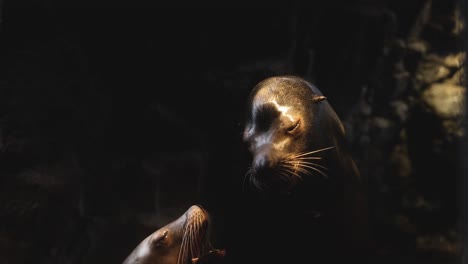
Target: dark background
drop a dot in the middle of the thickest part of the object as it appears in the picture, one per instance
(114, 120)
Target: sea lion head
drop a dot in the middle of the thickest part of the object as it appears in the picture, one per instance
(290, 130)
(178, 242)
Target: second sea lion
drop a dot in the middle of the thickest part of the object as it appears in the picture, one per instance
(183, 241)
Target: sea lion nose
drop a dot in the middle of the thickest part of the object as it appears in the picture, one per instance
(264, 162)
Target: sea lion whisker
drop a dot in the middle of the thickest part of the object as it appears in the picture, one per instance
(290, 169)
(299, 169)
(247, 175)
(185, 243)
(196, 227)
(192, 250)
(294, 176)
(300, 156)
(293, 164)
(299, 163)
(296, 167)
(294, 173)
(190, 240)
(286, 176)
(288, 166)
(313, 164)
(198, 236)
(308, 158)
(289, 162)
(315, 169)
(210, 246)
(186, 250)
(189, 246)
(312, 152)
(182, 250)
(195, 238)
(260, 185)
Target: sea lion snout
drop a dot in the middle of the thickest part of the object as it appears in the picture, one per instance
(196, 208)
(266, 167)
(200, 214)
(265, 161)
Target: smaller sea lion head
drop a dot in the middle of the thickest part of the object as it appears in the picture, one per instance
(178, 242)
(289, 129)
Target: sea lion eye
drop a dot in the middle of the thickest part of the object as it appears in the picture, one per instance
(294, 127)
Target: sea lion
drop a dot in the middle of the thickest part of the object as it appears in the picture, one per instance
(183, 241)
(293, 132)
(302, 165)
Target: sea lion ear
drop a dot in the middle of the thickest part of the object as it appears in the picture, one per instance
(317, 98)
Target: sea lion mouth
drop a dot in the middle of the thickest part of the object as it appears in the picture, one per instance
(287, 171)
